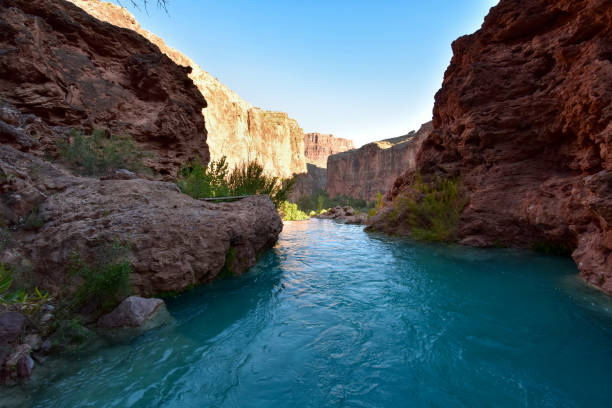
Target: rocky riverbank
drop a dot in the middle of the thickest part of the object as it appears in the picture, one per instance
(78, 234)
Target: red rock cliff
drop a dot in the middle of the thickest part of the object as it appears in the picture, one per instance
(318, 147)
(525, 117)
(364, 172)
(74, 71)
(236, 129)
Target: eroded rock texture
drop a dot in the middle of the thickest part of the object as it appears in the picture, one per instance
(174, 240)
(524, 116)
(374, 167)
(71, 70)
(318, 147)
(236, 129)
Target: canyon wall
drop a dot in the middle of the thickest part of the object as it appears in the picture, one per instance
(236, 129)
(70, 70)
(374, 167)
(524, 116)
(318, 147)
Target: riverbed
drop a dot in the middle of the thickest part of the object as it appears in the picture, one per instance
(336, 317)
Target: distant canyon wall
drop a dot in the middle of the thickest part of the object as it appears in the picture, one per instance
(318, 147)
(236, 129)
(374, 167)
(524, 116)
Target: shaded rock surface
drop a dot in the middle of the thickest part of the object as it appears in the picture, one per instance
(308, 183)
(12, 325)
(175, 241)
(318, 147)
(524, 116)
(373, 168)
(70, 70)
(236, 129)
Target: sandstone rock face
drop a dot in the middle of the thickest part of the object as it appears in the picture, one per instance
(308, 183)
(318, 147)
(174, 240)
(236, 129)
(71, 70)
(374, 167)
(524, 116)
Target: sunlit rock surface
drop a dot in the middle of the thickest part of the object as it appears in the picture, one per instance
(236, 129)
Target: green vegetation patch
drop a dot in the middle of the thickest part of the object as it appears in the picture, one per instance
(431, 209)
(320, 201)
(20, 299)
(216, 180)
(100, 155)
(291, 212)
(105, 278)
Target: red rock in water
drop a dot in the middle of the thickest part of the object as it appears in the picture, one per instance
(74, 71)
(524, 116)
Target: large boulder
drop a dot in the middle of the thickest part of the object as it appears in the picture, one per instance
(135, 312)
(174, 241)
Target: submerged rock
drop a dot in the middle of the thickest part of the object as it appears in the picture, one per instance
(136, 312)
(132, 317)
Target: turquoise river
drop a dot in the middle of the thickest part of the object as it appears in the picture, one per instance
(336, 317)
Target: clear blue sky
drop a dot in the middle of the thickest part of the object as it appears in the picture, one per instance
(364, 70)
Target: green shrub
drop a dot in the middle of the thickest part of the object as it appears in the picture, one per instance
(99, 155)
(432, 209)
(200, 181)
(34, 221)
(216, 180)
(26, 302)
(320, 200)
(105, 278)
(290, 212)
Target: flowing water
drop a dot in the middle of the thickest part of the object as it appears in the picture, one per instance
(335, 317)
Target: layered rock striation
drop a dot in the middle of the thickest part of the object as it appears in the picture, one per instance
(236, 129)
(524, 116)
(72, 71)
(318, 147)
(373, 168)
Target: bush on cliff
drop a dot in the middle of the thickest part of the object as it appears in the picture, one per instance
(100, 155)
(431, 209)
(216, 180)
(105, 279)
